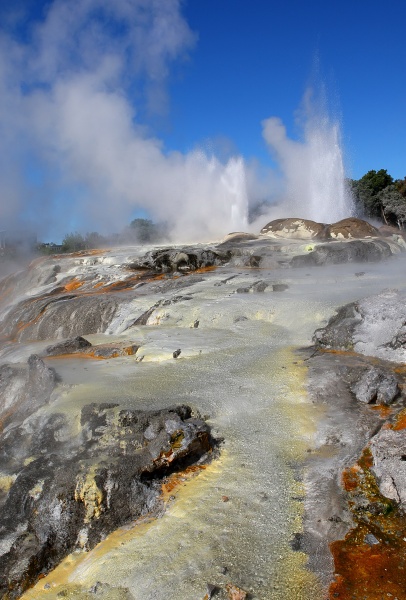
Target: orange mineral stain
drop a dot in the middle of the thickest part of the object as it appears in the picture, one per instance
(365, 571)
(400, 421)
(73, 285)
(370, 562)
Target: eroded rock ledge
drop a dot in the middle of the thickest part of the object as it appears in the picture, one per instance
(359, 506)
(67, 492)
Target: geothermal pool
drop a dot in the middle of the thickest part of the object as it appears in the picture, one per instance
(234, 521)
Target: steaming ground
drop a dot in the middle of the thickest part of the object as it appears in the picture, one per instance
(235, 521)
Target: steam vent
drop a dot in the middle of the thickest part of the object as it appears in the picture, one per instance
(221, 420)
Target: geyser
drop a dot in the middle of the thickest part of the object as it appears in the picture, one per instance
(313, 168)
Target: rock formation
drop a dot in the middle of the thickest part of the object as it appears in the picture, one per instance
(107, 360)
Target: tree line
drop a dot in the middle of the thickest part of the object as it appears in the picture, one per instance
(377, 195)
(140, 231)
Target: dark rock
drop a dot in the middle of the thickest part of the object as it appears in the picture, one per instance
(260, 286)
(113, 350)
(177, 353)
(338, 334)
(72, 493)
(279, 287)
(399, 340)
(351, 228)
(295, 228)
(334, 253)
(184, 259)
(296, 542)
(52, 276)
(68, 346)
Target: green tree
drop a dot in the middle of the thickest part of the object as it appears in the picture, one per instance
(393, 206)
(73, 242)
(94, 240)
(401, 186)
(366, 191)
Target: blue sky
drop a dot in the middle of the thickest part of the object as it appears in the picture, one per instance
(254, 59)
(158, 107)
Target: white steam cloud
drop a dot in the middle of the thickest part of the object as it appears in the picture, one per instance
(76, 151)
(74, 85)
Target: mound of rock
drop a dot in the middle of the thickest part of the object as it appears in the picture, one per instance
(180, 259)
(335, 253)
(239, 236)
(351, 228)
(59, 316)
(70, 346)
(68, 492)
(373, 326)
(303, 229)
(292, 228)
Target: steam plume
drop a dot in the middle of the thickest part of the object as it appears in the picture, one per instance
(77, 151)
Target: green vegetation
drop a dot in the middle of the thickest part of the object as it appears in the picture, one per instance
(139, 231)
(379, 196)
(72, 242)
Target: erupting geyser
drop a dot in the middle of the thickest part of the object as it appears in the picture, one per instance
(313, 168)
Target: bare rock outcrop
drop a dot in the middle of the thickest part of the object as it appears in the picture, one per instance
(351, 228)
(294, 228)
(69, 492)
(24, 388)
(335, 253)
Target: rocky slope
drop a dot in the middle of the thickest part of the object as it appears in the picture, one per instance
(108, 358)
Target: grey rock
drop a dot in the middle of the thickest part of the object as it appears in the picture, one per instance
(24, 388)
(376, 385)
(371, 540)
(338, 334)
(182, 259)
(388, 449)
(279, 287)
(373, 326)
(60, 316)
(72, 493)
(334, 253)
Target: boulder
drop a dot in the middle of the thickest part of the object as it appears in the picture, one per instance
(69, 491)
(69, 346)
(375, 384)
(351, 228)
(373, 326)
(335, 253)
(389, 463)
(183, 259)
(302, 229)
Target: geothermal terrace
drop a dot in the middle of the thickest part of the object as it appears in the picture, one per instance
(219, 420)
